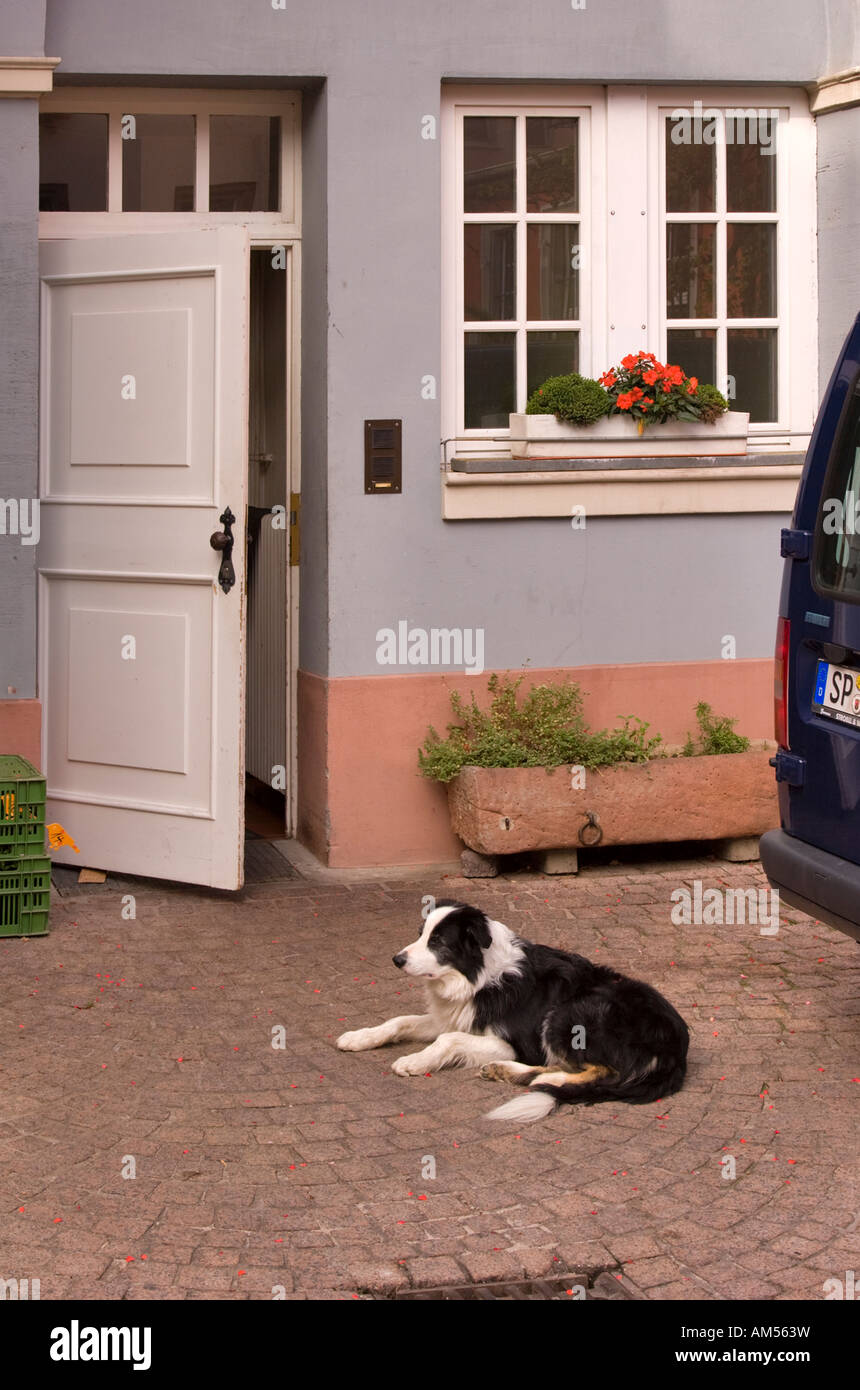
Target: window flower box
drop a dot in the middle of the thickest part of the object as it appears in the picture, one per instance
(617, 436)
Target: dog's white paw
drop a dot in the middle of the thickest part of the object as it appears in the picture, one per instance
(409, 1066)
(495, 1071)
(358, 1041)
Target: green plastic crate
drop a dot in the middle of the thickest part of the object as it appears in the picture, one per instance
(25, 896)
(22, 808)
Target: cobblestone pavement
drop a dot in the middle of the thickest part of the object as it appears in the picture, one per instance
(145, 1046)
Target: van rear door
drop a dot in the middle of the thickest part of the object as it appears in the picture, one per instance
(820, 776)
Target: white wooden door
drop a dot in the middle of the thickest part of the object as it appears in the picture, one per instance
(144, 388)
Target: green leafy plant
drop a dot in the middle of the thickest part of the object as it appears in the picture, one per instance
(577, 399)
(546, 728)
(716, 734)
(713, 403)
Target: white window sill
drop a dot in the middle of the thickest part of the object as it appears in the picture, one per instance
(669, 487)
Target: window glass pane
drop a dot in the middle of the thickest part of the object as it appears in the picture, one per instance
(690, 270)
(837, 533)
(157, 163)
(244, 163)
(73, 152)
(489, 270)
(490, 363)
(690, 167)
(489, 163)
(552, 163)
(552, 270)
(752, 372)
(751, 165)
(550, 354)
(751, 270)
(695, 351)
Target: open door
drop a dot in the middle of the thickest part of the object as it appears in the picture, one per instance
(144, 388)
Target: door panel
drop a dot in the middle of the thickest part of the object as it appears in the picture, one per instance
(131, 409)
(144, 443)
(144, 735)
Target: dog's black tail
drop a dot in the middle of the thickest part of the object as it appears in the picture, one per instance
(542, 1098)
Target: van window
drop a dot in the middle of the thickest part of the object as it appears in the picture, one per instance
(837, 531)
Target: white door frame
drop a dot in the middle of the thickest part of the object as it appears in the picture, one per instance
(293, 247)
(281, 228)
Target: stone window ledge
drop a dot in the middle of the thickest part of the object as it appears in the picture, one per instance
(500, 487)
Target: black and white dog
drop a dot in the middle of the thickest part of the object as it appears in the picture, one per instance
(574, 1033)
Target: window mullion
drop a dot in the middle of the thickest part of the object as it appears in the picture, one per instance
(114, 161)
(522, 266)
(721, 248)
(459, 274)
(626, 237)
(722, 344)
(201, 170)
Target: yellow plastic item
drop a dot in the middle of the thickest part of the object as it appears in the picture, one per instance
(57, 836)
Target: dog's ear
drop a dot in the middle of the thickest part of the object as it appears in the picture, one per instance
(476, 926)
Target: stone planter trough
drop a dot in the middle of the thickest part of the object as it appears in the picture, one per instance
(497, 810)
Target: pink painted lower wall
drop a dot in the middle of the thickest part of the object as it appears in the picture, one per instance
(362, 801)
(21, 729)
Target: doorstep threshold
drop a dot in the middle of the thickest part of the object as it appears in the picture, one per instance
(309, 867)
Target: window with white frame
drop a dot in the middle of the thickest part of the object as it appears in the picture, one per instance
(724, 296)
(522, 217)
(165, 156)
(583, 224)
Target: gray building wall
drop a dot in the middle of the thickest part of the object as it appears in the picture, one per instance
(626, 589)
(21, 32)
(313, 572)
(19, 370)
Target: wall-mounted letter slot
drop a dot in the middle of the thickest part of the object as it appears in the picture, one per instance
(383, 455)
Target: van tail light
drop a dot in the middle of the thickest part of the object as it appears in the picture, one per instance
(780, 682)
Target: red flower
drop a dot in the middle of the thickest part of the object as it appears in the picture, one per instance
(630, 362)
(693, 385)
(650, 378)
(625, 401)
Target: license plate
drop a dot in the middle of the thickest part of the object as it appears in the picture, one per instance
(837, 693)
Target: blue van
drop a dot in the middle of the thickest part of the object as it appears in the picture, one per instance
(814, 860)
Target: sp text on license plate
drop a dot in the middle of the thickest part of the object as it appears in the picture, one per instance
(836, 694)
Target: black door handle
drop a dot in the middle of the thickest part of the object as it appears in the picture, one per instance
(223, 541)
